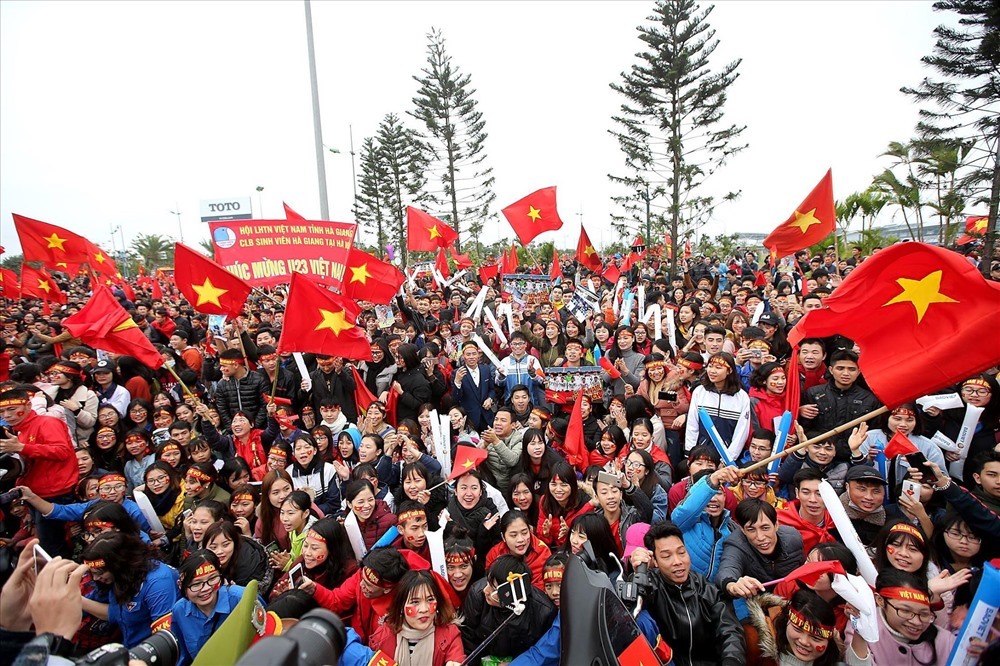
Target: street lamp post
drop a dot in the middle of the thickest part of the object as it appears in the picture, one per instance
(260, 204)
(180, 229)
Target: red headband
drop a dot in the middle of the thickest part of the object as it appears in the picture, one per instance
(267, 357)
(412, 514)
(373, 578)
(231, 361)
(134, 438)
(905, 594)
(65, 369)
(239, 497)
(552, 574)
(313, 535)
(719, 362)
(196, 473)
(904, 528)
(169, 447)
(204, 569)
(96, 565)
(977, 381)
(458, 559)
(813, 629)
(111, 478)
(14, 402)
(903, 411)
(98, 524)
(690, 365)
(543, 414)
(655, 364)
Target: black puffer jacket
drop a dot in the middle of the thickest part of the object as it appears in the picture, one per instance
(473, 519)
(739, 558)
(482, 619)
(836, 408)
(252, 564)
(702, 627)
(242, 395)
(337, 386)
(416, 392)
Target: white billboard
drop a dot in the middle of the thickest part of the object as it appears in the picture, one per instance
(221, 210)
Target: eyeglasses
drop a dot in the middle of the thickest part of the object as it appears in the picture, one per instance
(115, 488)
(962, 536)
(968, 390)
(632, 464)
(90, 536)
(157, 480)
(754, 483)
(904, 614)
(205, 584)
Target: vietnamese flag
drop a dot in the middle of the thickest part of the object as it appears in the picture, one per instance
(810, 572)
(611, 273)
(509, 263)
(441, 263)
(811, 222)
(9, 284)
(321, 322)
(573, 445)
(209, 287)
(370, 279)
(923, 316)
(534, 214)
(104, 324)
(638, 653)
(37, 283)
(157, 291)
(585, 252)
(556, 272)
(900, 445)
(976, 225)
(462, 261)
(487, 272)
(425, 233)
(466, 458)
(291, 214)
(49, 244)
(363, 398)
(100, 263)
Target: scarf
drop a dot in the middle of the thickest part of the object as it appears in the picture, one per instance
(876, 517)
(423, 651)
(163, 502)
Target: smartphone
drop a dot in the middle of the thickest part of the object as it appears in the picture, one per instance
(911, 489)
(185, 514)
(41, 558)
(295, 577)
(272, 548)
(512, 594)
(919, 461)
(756, 353)
(611, 479)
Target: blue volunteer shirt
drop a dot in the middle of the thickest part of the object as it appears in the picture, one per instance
(155, 599)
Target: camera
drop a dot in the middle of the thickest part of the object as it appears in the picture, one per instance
(160, 648)
(11, 495)
(318, 638)
(629, 591)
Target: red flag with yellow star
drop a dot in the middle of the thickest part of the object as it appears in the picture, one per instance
(924, 318)
(321, 322)
(49, 244)
(100, 263)
(466, 458)
(9, 284)
(37, 283)
(534, 214)
(812, 221)
(586, 254)
(555, 272)
(368, 278)
(425, 233)
(104, 324)
(462, 261)
(976, 224)
(209, 287)
(638, 653)
(441, 264)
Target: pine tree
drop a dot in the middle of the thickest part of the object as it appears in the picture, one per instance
(405, 160)
(456, 135)
(670, 127)
(371, 208)
(964, 105)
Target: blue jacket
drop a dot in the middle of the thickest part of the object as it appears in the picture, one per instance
(471, 397)
(74, 512)
(193, 629)
(703, 543)
(155, 599)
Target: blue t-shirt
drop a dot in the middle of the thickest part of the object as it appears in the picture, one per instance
(193, 628)
(155, 599)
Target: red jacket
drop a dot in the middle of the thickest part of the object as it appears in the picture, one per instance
(368, 613)
(535, 558)
(811, 534)
(377, 524)
(766, 406)
(50, 462)
(551, 537)
(447, 644)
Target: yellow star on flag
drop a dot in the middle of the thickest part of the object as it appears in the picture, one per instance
(208, 293)
(433, 232)
(56, 242)
(467, 464)
(804, 221)
(534, 213)
(980, 224)
(44, 285)
(921, 293)
(360, 274)
(589, 250)
(335, 321)
(99, 257)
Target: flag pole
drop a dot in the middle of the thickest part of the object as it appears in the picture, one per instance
(184, 387)
(532, 256)
(818, 438)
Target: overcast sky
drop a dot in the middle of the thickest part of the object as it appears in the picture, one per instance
(115, 114)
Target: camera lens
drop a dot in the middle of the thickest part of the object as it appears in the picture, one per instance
(160, 648)
(320, 636)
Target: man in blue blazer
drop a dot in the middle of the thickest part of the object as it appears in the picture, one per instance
(473, 387)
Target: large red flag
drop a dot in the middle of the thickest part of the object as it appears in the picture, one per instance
(924, 318)
(487, 272)
(37, 283)
(104, 324)
(209, 287)
(49, 244)
(368, 278)
(576, 449)
(585, 252)
(534, 214)
(425, 233)
(466, 458)
(555, 272)
(99, 262)
(441, 263)
(812, 221)
(9, 283)
(363, 398)
(321, 322)
(462, 261)
(508, 263)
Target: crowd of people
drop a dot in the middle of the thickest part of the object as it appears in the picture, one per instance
(161, 493)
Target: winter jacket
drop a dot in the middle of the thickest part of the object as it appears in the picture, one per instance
(49, 461)
(668, 411)
(739, 558)
(765, 406)
(891, 651)
(336, 386)
(837, 407)
(812, 535)
(288, 388)
(252, 564)
(696, 620)
(447, 643)
(249, 448)
(949, 423)
(242, 395)
(730, 414)
(473, 519)
(416, 392)
(86, 415)
(481, 619)
(835, 472)
(680, 489)
(323, 480)
(633, 361)
(535, 558)
(504, 457)
(702, 539)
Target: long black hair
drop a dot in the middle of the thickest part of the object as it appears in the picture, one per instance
(126, 557)
(818, 612)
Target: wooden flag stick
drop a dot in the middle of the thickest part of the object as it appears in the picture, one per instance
(184, 387)
(818, 438)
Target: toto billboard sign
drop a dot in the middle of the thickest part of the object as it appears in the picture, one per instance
(221, 210)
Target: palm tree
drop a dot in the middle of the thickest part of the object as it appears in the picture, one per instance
(207, 246)
(154, 250)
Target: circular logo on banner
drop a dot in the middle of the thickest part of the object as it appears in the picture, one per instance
(224, 237)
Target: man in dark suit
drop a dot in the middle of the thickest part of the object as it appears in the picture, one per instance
(473, 387)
